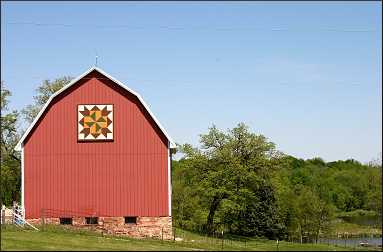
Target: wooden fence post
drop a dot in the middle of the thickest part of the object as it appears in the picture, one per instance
(13, 212)
(222, 241)
(3, 215)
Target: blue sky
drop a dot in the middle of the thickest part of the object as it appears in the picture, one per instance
(306, 75)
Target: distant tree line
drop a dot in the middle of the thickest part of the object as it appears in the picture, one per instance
(237, 181)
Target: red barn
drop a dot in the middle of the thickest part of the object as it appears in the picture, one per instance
(96, 156)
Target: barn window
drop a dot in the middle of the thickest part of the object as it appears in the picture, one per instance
(66, 221)
(130, 220)
(91, 220)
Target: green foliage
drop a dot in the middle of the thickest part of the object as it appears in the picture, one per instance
(238, 182)
(228, 181)
(357, 213)
(322, 189)
(186, 201)
(312, 213)
(44, 92)
(10, 160)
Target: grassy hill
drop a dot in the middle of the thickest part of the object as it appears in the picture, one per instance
(58, 238)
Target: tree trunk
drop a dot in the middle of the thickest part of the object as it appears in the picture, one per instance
(210, 218)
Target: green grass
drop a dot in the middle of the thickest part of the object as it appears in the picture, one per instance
(357, 213)
(58, 238)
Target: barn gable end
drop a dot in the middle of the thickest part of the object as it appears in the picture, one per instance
(79, 79)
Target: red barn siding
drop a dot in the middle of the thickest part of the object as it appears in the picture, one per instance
(126, 177)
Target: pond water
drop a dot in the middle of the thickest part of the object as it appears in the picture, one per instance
(352, 242)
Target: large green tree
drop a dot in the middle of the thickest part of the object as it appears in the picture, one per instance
(10, 159)
(312, 214)
(44, 92)
(230, 173)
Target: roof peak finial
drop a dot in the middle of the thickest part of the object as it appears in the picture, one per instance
(96, 57)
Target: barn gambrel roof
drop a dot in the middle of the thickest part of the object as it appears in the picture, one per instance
(18, 147)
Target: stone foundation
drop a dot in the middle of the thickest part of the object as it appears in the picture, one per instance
(146, 227)
(46, 221)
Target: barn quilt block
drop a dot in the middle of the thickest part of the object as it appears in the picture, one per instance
(95, 122)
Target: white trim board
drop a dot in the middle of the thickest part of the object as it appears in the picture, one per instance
(22, 181)
(18, 147)
(169, 182)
